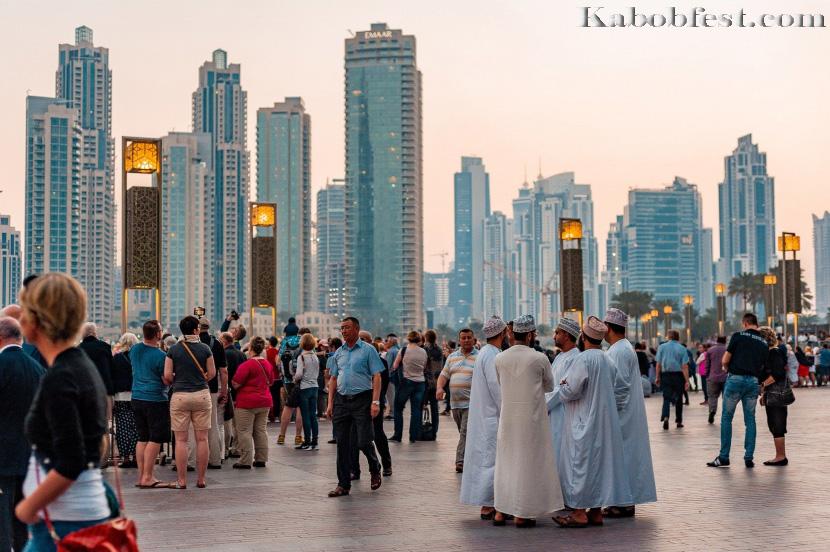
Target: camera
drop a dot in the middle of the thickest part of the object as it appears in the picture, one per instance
(234, 315)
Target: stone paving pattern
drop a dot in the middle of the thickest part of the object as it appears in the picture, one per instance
(284, 506)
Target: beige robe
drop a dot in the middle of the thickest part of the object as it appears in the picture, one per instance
(526, 479)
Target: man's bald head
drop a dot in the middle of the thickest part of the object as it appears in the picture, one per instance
(365, 336)
(10, 332)
(12, 311)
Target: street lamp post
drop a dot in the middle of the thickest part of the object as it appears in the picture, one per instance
(264, 260)
(688, 300)
(770, 280)
(667, 310)
(790, 270)
(570, 268)
(654, 320)
(720, 289)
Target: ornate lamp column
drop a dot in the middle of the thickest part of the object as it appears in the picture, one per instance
(570, 267)
(720, 289)
(790, 270)
(141, 250)
(264, 260)
(688, 301)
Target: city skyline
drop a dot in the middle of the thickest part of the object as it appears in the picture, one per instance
(676, 146)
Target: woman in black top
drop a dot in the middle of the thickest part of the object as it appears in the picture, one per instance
(126, 434)
(68, 418)
(774, 373)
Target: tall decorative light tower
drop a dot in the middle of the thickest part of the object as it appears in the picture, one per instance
(790, 270)
(667, 310)
(688, 301)
(655, 333)
(770, 280)
(720, 289)
(264, 260)
(141, 251)
(570, 263)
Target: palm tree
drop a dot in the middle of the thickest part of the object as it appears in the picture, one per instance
(478, 328)
(659, 304)
(635, 304)
(443, 331)
(750, 287)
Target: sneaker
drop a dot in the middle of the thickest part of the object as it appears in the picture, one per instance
(704, 403)
(717, 463)
(332, 441)
(666, 424)
(281, 440)
(214, 466)
(749, 463)
(314, 447)
(298, 440)
(258, 464)
(711, 417)
(304, 446)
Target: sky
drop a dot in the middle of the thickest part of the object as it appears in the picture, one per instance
(513, 82)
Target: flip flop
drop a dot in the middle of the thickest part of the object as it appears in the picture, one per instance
(614, 512)
(155, 485)
(201, 485)
(177, 486)
(569, 523)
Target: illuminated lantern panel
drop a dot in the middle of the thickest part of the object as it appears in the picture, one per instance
(141, 157)
(570, 229)
(263, 215)
(789, 243)
(688, 299)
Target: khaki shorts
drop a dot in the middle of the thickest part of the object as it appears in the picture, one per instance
(185, 407)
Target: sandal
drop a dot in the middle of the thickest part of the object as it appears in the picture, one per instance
(339, 491)
(488, 516)
(569, 523)
(177, 486)
(526, 524)
(615, 512)
(155, 485)
(201, 485)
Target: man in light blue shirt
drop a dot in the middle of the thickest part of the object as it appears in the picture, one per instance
(673, 371)
(354, 399)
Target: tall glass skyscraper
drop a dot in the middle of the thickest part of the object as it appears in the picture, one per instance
(84, 81)
(666, 245)
(747, 213)
(188, 250)
(821, 249)
(10, 262)
(472, 207)
(220, 108)
(384, 202)
(53, 180)
(284, 177)
(331, 254)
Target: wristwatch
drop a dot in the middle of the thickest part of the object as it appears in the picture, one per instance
(376, 402)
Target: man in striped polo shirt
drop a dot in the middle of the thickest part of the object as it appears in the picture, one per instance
(458, 370)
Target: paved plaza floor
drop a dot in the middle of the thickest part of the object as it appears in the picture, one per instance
(284, 506)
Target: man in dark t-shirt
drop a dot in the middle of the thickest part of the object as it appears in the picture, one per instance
(745, 355)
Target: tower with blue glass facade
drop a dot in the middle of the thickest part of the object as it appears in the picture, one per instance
(821, 250)
(188, 251)
(331, 255)
(284, 177)
(384, 202)
(472, 207)
(747, 213)
(10, 262)
(220, 107)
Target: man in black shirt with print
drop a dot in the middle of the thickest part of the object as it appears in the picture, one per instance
(746, 353)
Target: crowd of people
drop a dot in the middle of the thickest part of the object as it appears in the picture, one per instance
(578, 424)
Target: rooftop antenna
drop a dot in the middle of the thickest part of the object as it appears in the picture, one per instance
(540, 168)
(525, 185)
(351, 33)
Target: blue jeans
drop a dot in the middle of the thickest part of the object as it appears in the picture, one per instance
(308, 411)
(705, 390)
(414, 392)
(41, 540)
(743, 389)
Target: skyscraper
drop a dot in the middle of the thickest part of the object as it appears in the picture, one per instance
(188, 249)
(384, 202)
(821, 248)
(615, 276)
(331, 255)
(284, 177)
(667, 250)
(10, 262)
(472, 207)
(747, 213)
(499, 290)
(220, 108)
(84, 81)
(53, 179)
(536, 214)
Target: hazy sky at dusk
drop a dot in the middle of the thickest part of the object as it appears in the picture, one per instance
(508, 81)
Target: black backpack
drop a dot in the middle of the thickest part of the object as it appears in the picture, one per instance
(289, 361)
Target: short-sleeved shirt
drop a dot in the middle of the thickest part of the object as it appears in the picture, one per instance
(749, 352)
(272, 354)
(189, 378)
(148, 369)
(219, 359)
(354, 367)
(414, 361)
(824, 357)
(672, 356)
(253, 375)
(459, 371)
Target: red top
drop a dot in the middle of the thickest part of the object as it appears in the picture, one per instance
(271, 354)
(254, 391)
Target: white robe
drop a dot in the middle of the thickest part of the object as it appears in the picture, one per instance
(526, 481)
(591, 461)
(482, 431)
(631, 407)
(556, 410)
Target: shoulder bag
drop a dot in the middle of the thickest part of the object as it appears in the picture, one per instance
(779, 393)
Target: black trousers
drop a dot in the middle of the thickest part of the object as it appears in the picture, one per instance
(13, 533)
(353, 411)
(381, 442)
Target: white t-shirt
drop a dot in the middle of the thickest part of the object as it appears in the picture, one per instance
(308, 366)
(85, 500)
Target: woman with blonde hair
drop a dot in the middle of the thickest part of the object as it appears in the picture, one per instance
(126, 433)
(774, 389)
(252, 382)
(68, 418)
(308, 368)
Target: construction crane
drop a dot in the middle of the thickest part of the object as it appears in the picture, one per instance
(545, 292)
